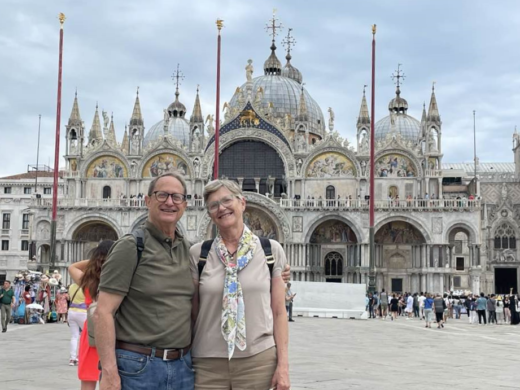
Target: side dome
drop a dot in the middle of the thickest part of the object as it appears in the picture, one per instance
(178, 128)
(285, 93)
(407, 126)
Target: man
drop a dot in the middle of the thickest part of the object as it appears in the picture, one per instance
(143, 314)
(416, 305)
(481, 308)
(7, 303)
(375, 309)
(384, 304)
(492, 309)
(289, 297)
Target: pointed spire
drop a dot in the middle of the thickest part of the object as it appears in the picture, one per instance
(302, 108)
(111, 134)
(75, 117)
(95, 130)
(137, 117)
(433, 110)
(423, 118)
(364, 117)
(125, 145)
(196, 116)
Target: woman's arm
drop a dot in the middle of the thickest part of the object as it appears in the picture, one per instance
(194, 307)
(77, 270)
(280, 379)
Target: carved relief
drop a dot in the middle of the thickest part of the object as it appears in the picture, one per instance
(437, 225)
(297, 224)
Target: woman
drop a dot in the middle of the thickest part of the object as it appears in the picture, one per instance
(242, 321)
(507, 312)
(76, 319)
(27, 300)
(394, 307)
(61, 304)
(428, 310)
(86, 274)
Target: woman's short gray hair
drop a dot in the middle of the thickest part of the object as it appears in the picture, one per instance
(175, 175)
(215, 185)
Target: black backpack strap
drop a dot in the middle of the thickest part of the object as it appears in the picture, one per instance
(139, 242)
(204, 252)
(266, 246)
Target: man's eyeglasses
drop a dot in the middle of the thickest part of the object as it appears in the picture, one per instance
(162, 197)
(226, 201)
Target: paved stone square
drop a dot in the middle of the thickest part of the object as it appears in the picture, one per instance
(325, 354)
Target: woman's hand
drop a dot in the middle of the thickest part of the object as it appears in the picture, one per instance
(280, 379)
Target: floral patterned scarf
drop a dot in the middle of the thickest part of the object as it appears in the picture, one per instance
(233, 320)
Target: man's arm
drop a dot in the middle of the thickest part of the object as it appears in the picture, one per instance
(105, 334)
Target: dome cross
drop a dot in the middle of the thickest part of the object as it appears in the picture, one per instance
(398, 76)
(273, 26)
(289, 42)
(177, 77)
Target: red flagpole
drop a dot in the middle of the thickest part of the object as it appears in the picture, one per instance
(371, 278)
(217, 114)
(57, 149)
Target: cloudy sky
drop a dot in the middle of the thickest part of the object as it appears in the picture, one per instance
(470, 48)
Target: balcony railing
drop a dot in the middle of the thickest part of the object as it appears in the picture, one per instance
(24, 232)
(383, 205)
(69, 174)
(6, 232)
(433, 172)
(105, 203)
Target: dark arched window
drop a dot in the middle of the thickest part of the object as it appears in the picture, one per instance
(107, 192)
(327, 267)
(333, 264)
(330, 192)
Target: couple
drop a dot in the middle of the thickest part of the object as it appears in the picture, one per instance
(148, 307)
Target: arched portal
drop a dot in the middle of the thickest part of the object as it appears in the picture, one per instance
(253, 161)
(91, 233)
(398, 249)
(334, 267)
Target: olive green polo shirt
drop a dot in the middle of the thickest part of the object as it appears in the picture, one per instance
(156, 310)
(8, 295)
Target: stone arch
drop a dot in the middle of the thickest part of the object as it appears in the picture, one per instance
(105, 153)
(258, 202)
(331, 216)
(251, 134)
(331, 149)
(163, 151)
(415, 223)
(92, 218)
(457, 227)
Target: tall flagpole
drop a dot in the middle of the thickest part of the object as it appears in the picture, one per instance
(37, 155)
(372, 273)
(475, 152)
(220, 24)
(61, 17)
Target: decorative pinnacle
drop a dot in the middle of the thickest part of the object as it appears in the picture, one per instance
(177, 76)
(273, 27)
(220, 24)
(62, 18)
(374, 28)
(138, 90)
(198, 88)
(433, 86)
(289, 42)
(364, 87)
(398, 75)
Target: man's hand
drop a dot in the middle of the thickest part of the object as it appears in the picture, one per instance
(110, 380)
(286, 273)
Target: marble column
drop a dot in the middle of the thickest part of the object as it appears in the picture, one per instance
(257, 185)
(423, 282)
(441, 283)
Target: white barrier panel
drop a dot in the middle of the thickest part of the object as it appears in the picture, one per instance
(340, 300)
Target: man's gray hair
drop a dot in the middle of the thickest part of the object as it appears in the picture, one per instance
(175, 175)
(215, 185)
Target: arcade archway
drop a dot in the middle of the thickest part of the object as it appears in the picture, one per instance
(88, 235)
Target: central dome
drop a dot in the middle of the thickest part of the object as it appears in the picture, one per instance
(284, 93)
(177, 127)
(407, 126)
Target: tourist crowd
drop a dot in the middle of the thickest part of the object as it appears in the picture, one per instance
(479, 308)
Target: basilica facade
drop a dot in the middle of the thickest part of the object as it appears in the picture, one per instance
(438, 226)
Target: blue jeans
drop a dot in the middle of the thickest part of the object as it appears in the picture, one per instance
(145, 372)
